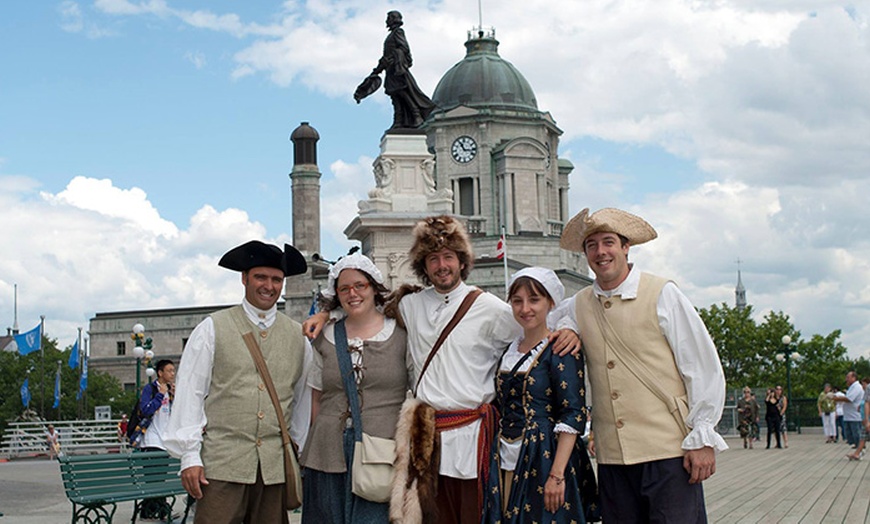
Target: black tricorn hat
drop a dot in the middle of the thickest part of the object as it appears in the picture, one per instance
(258, 254)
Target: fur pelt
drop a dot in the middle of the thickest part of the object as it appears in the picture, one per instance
(391, 308)
(418, 453)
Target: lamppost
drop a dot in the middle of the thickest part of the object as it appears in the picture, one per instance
(785, 356)
(140, 351)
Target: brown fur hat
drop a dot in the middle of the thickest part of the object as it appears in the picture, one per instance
(436, 233)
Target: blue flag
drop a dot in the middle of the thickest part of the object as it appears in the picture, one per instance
(313, 308)
(56, 389)
(74, 355)
(30, 341)
(25, 393)
(83, 385)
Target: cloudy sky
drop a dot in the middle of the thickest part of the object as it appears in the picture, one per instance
(141, 139)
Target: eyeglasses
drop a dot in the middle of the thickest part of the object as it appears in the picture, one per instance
(359, 287)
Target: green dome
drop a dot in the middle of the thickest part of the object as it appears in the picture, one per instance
(484, 79)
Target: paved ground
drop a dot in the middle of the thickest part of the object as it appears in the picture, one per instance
(31, 492)
(811, 482)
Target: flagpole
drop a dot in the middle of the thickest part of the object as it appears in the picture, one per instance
(85, 392)
(504, 259)
(79, 369)
(57, 389)
(42, 366)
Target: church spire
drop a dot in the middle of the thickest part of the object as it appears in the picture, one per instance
(740, 291)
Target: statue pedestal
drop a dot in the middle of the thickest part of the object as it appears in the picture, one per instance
(404, 194)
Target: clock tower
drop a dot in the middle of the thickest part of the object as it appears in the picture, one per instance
(498, 154)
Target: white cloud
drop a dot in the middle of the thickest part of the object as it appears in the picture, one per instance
(104, 198)
(339, 196)
(124, 7)
(71, 16)
(72, 20)
(94, 247)
(793, 259)
(197, 58)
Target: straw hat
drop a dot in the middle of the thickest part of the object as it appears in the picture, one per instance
(609, 220)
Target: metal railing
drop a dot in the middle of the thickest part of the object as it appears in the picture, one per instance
(28, 439)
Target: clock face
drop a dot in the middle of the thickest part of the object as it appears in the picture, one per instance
(463, 149)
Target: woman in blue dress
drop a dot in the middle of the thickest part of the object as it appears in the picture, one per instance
(547, 474)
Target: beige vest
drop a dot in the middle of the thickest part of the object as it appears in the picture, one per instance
(632, 425)
(242, 430)
(384, 385)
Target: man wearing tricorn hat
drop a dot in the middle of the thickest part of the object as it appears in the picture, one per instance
(656, 380)
(223, 424)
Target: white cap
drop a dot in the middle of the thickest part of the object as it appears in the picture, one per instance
(355, 261)
(546, 277)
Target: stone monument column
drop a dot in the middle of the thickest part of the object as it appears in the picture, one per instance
(404, 194)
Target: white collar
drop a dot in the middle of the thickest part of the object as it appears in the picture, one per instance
(450, 297)
(627, 289)
(257, 315)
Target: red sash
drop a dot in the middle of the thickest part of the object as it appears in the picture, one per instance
(488, 416)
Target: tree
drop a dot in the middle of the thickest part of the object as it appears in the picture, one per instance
(103, 389)
(737, 339)
(749, 350)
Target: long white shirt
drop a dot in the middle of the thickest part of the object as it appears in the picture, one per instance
(183, 437)
(462, 374)
(694, 352)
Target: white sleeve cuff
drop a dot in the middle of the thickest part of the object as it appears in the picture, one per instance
(561, 427)
(703, 435)
(190, 459)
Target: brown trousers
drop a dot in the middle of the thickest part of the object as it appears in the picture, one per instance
(234, 503)
(457, 501)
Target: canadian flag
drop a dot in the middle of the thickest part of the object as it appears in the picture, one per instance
(499, 248)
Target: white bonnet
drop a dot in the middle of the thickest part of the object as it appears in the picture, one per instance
(355, 261)
(546, 277)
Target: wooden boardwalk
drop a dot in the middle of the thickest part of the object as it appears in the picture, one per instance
(807, 483)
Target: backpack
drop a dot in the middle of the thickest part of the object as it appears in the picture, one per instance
(138, 422)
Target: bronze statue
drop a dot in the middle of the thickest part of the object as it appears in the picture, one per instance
(410, 105)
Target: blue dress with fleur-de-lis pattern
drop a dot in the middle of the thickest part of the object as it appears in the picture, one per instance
(531, 403)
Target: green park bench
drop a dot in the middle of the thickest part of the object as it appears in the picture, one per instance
(96, 483)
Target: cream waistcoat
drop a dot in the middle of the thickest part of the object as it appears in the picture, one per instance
(242, 430)
(632, 425)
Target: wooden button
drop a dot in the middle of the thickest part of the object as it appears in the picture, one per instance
(614, 395)
(263, 334)
(611, 364)
(619, 423)
(607, 304)
(259, 443)
(262, 387)
(261, 415)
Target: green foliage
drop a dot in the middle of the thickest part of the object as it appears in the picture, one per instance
(862, 367)
(103, 389)
(749, 350)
